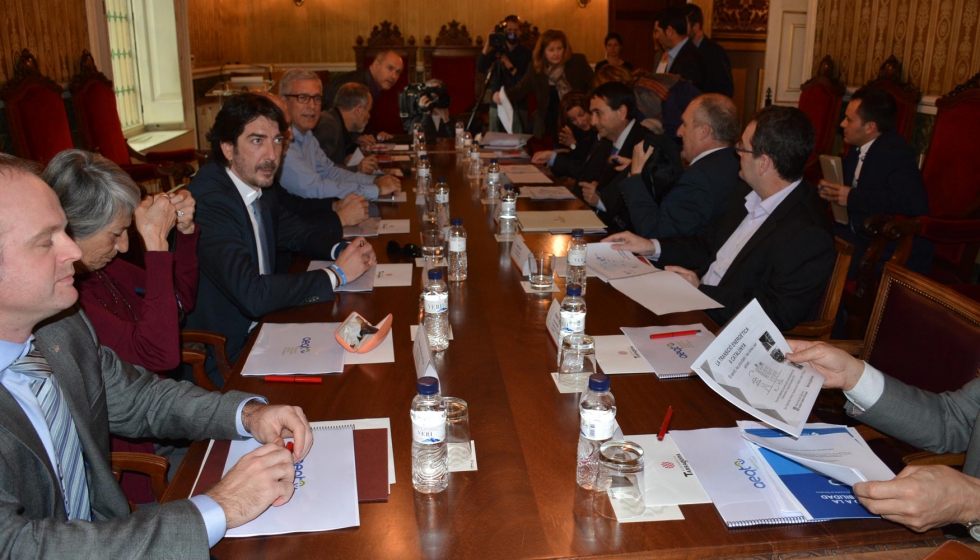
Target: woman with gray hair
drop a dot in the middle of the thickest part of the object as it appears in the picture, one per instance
(135, 312)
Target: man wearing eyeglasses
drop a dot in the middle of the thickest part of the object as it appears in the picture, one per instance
(774, 242)
(307, 171)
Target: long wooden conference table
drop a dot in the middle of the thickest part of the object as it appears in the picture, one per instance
(523, 501)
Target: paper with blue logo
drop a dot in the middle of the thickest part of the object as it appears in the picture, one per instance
(610, 264)
(325, 488)
(669, 357)
(295, 349)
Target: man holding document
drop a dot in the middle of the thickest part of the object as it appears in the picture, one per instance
(773, 242)
(62, 392)
(920, 497)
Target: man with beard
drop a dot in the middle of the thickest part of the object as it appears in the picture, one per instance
(339, 127)
(380, 77)
(243, 225)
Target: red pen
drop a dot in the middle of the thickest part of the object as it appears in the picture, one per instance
(289, 446)
(663, 428)
(675, 334)
(291, 379)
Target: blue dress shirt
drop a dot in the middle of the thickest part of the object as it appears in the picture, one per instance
(309, 173)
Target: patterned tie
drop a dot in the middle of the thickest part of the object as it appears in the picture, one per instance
(265, 258)
(67, 447)
(857, 169)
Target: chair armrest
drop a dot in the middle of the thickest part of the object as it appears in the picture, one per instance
(196, 359)
(852, 347)
(941, 230)
(930, 458)
(151, 465)
(821, 328)
(869, 433)
(214, 340)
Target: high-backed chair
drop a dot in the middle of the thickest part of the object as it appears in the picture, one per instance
(453, 60)
(820, 98)
(94, 100)
(907, 97)
(386, 36)
(823, 324)
(36, 115)
(529, 35)
(923, 334)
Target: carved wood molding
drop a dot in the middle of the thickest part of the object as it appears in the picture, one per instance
(386, 34)
(27, 71)
(87, 71)
(453, 34)
(740, 16)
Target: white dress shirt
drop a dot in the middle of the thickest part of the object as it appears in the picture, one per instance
(618, 146)
(862, 153)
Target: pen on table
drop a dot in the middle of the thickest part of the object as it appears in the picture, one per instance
(666, 424)
(291, 379)
(675, 334)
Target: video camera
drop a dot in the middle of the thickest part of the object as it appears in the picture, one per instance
(408, 100)
(498, 39)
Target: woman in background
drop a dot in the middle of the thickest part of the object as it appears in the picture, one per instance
(575, 135)
(614, 44)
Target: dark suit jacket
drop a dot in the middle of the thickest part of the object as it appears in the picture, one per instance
(692, 207)
(616, 215)
(102, 391)
(890, 183)
(717, 68)
(571, 163)
(362, 76)
(577, 72)
(786, 264)
(335, 140)
(232, 293)
(689, 64)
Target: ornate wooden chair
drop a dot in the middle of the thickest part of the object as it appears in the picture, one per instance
(95, 107)
(906, 95)
(453, 60)
(386, 36)
(529, 35)
(821, 327)
(923, 334)
(36, 114)
(820, 98)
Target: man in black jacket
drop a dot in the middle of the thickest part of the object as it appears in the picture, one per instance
(338, 128)
(513, 64)
(379, 77)
(884, 167)
(242, 226)
(683, 58)
(774, 241)
(717, 66)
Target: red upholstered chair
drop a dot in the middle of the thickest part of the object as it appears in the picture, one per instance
(36, 115)
(820, 98)
(384, 37)
(453, 60)
(907, 97)
(94, 100)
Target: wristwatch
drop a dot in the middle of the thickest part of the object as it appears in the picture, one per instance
(974, 528)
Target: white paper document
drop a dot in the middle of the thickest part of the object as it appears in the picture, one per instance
(830, 450)
(295, 349)
(373, 227)
(547, 193)
(746, 364)
(355, 158)
(423, 356)
(559, 220)
(664, 292)
(833, 172)
(671, 356)
(667, 473)
(615, 355)
(610, 264)
(532, 178)
(504, 139)
(365, 424)
(325, 488)
(383, 353)
(380, 275)
(505, 112)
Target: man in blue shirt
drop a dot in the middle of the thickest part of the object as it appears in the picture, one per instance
(60, 390)
(307, 171)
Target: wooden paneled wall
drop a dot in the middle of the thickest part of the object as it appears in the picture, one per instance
(277, 31)
(55, 31)
(937, 41)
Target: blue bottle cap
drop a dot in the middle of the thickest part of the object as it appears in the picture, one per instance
(428, 385)
(435, 274)
(508, 187)
(597, 382)
(424, 157)
(573, 290)
(578, 233)
(442, 179)
(493, 160)
(456, 222)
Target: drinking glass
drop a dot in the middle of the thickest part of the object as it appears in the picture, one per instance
(576, 361)
(620, 486)
(457, 432)
(542, 267)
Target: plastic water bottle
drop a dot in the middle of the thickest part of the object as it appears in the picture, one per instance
(508, 203)
(575, 265)
(572, 311)
(423, 173)
(475, 169)
(460, 131)
(442, 203)
(418, 139)
(430, 461)
(492, 185)
(457, 251)
(435, 315)
(597, 413)
(493, 172)
(467, 142)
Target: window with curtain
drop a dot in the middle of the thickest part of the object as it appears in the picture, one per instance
(125, 75)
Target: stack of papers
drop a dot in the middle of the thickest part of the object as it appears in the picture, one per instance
(560, 221)
(664, 292)
(504, 140)
(547, 193)
(307, 349)
(608, 263)
(526, 174)
(670, 356)
(373, 227)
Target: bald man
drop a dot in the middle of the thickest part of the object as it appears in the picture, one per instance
(379, 77)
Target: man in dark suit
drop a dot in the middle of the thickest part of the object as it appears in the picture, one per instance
(717, 66)
(884, 167)
(683, 58)
(613, 108)
(709, 129)
(774, 241)
(514, 60)
(60, 391)
(242, 226)
(379, 77)
(338, 128)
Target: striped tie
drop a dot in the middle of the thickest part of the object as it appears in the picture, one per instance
(67, 447)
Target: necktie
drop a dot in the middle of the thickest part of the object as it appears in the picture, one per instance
(67, 447)
(857, 168)
(615, 151)
(265, 257)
